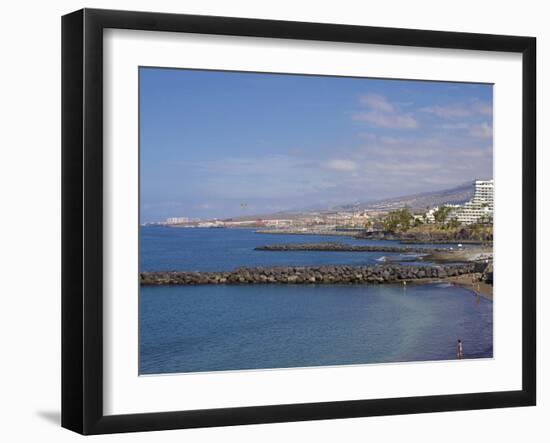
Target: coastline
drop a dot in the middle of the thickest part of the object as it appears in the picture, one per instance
(459, 255)
(481, 288)
(470, 267)
(478, 288)
(403, 238)
(327, 232)
(343, 247)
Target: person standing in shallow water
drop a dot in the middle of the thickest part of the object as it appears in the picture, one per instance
(459, 350)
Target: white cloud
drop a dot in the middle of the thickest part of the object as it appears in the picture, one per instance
(387, 120)
(409, 167)
(341, 165)
(459, 110)
(384, 114)
(377, 102)
(448, 111)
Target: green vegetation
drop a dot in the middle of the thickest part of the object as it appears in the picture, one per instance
(480, 230)
(485, 220)
(403, 221)
(451, 231)
(398, 221)
(453, 223)
(442, 213)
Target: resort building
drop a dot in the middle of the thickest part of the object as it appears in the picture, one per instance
(480, 208)
(430, 215)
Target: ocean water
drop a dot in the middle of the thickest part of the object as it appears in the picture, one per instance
(224, 327)
(195, 249)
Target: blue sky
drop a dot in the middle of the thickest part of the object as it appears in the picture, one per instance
(211, 141)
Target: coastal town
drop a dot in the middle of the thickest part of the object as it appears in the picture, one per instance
(476, 211)
(460, 224)
(292, 221)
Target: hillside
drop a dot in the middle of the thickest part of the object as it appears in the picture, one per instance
(456, 195)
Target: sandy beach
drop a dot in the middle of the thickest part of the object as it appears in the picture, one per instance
(479, 287)
(461, 255)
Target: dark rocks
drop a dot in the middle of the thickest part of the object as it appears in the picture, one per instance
(378, 235)
(307, 275)
(487, 275)
(465, 234)
(481, 266)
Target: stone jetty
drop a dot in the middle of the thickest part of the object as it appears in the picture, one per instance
(342, 247)
(309, 275)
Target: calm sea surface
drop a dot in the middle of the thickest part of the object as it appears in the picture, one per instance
(193, 249)
(212, 328)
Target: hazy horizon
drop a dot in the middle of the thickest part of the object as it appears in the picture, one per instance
(320, 208)
(223, 144)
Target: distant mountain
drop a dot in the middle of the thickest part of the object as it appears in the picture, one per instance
(415, 202)
(456, 195)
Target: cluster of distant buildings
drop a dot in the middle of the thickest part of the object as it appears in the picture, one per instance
(177, 220)
(477, 210)
(355, 219)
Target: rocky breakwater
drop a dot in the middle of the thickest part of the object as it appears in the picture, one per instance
(342, 247)
(309, 275)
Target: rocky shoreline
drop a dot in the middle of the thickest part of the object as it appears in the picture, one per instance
(443, 242)
(464, 235)
(480, 254)
(342, 247)
(312, 275)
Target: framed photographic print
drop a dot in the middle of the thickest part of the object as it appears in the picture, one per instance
(269, 221)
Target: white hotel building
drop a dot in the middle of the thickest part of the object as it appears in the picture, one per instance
(480, 207)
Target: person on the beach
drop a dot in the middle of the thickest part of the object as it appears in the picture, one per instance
(459, 350)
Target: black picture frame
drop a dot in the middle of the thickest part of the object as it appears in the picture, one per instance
(82, 218)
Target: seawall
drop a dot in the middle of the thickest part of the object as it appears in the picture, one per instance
(308, 275)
